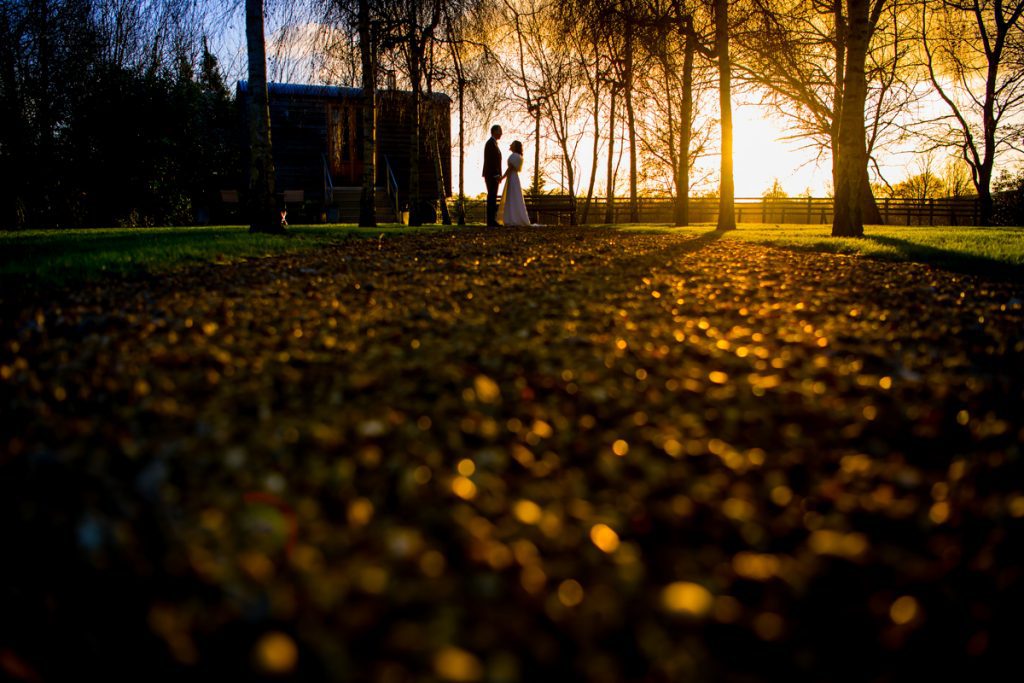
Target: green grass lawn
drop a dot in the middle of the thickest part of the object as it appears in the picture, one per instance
(56, 257)
(59, 257)
(994, 251)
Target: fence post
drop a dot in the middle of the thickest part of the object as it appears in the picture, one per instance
(931, 212)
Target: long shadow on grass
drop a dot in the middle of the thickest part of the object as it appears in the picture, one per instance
(41, 263)
(952, 261)
(691, 245)
(87, 241)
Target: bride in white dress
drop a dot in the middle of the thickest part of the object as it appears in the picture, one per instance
(512, 207)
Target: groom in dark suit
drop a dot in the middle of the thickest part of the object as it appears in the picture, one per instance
(492, 174)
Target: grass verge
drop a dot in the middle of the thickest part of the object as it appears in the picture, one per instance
(990, 251)
(55, 258)
(60, 257)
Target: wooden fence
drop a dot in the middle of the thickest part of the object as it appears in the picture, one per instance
(800, 210)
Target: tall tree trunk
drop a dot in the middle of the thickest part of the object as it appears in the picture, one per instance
(685, 133)
(442, 200)
(570, 177)
(597, 135)
(536, 149)
(609, 202)
(989, 122)
(263, 213)
(986, 205)
(727, 191)
(368, 196)
(460, 89)
(634, 206)
(461, 218)
(839, 17)
(848, 214)
(673, 150)
(414, 137)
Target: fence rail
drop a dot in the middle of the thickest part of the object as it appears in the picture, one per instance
(799, 210)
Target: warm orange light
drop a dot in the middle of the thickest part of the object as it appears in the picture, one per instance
(604, 537)
(487, 390)
(755, 566)
(570, 593)
(903, 611)
(464, 488)
(276, 653)
(827, 542)
(455, 664)
(688, 598)
(360, 512)
(527, 512)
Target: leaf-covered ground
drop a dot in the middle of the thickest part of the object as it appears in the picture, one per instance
(546, 454)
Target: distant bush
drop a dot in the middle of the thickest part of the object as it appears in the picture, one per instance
(1008, 198)
(90, 141)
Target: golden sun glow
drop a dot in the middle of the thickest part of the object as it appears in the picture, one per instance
(761, 154)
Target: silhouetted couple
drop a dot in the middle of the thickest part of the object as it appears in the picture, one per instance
(511, 210)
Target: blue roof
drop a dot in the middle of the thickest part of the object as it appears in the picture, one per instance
(303, 89)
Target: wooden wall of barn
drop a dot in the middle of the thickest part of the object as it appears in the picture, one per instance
(394, 141)
(299, 135)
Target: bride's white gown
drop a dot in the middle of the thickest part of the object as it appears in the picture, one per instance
(512, 207)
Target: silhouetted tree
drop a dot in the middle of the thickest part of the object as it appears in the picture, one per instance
(848, 214)
(263, 212)
(795, 55)
(726, 191)
(974, 54)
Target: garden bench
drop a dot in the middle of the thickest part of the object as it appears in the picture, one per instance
(560, 206)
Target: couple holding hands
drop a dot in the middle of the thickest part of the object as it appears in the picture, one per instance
(511, 210)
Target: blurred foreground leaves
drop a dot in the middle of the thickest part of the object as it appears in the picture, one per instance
(526, 455)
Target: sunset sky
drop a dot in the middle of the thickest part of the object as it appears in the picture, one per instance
(763, 151)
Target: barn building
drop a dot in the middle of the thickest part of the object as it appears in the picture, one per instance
(317, 136)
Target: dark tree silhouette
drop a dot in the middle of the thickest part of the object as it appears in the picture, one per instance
(263, 212)
(682, 171)
(368, 60)
(796, 55)
(682, 17)
(980, 42)
(848, 214)
(726, 188)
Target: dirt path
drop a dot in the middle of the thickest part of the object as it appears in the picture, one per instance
(557, 454)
